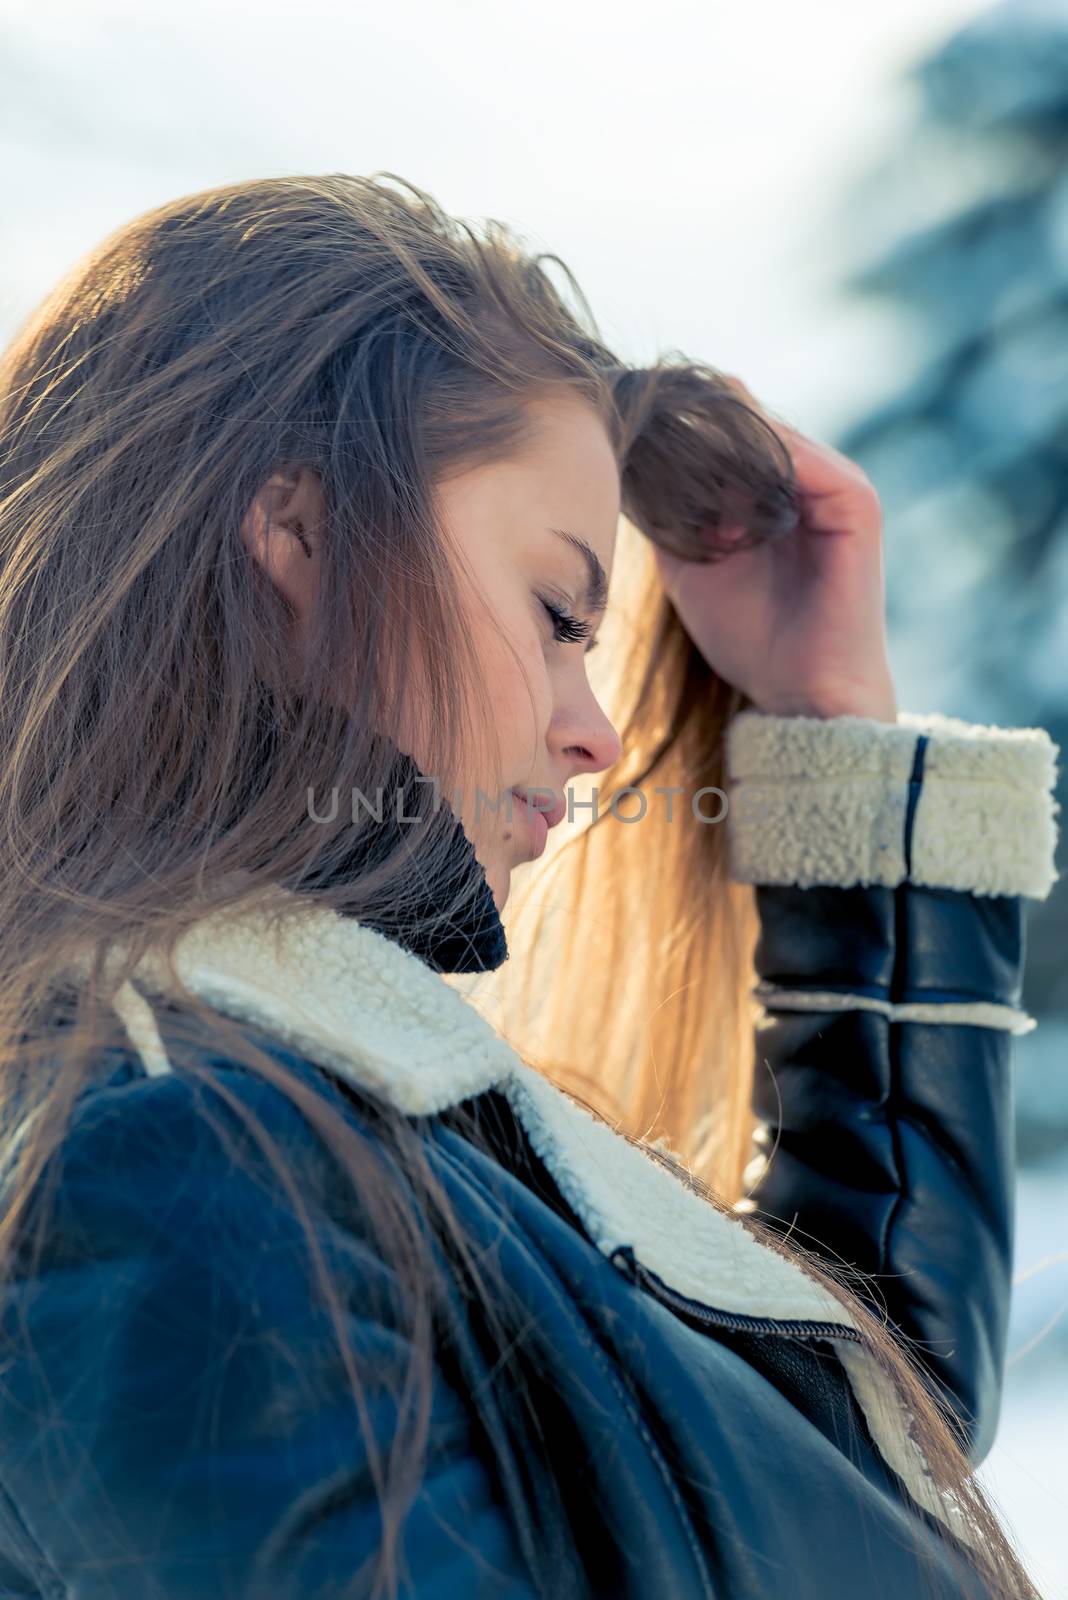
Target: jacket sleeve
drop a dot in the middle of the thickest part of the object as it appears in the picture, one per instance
(890, 864)
(175, 1417)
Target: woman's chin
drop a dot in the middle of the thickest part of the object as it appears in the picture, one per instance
(496, 868)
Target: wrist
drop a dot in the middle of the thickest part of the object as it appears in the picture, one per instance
(877, 707)
(826, 714)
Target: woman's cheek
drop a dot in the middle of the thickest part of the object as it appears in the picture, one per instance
(523, 710)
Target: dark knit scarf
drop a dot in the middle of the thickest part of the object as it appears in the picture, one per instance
(472, 942)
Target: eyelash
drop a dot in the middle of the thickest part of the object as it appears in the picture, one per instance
(567, 628)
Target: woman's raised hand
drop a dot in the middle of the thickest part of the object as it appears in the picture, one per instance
(799, 623)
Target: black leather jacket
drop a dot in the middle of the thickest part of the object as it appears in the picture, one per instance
(175, 1423)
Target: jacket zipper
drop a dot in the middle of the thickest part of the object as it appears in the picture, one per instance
(624, 1259)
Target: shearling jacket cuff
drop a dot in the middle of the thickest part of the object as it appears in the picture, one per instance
(929, 800)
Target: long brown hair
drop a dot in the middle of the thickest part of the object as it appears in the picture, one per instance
(156, 755)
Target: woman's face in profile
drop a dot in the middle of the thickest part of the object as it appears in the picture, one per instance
(520, 526)
(536, 536)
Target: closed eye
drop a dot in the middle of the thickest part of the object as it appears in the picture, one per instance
(567, 628)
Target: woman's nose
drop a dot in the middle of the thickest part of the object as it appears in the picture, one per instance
(586, 740)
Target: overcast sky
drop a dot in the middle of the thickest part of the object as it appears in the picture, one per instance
(685, 159)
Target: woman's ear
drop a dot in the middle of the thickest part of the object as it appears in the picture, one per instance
(282, 531)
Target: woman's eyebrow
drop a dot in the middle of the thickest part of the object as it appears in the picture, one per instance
(596, 577)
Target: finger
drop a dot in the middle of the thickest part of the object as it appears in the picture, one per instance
(822, 470)
(836, 493)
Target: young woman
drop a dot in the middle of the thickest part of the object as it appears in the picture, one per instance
(312, 1284)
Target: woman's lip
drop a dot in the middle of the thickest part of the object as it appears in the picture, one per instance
(552, 814)
(537, 822)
